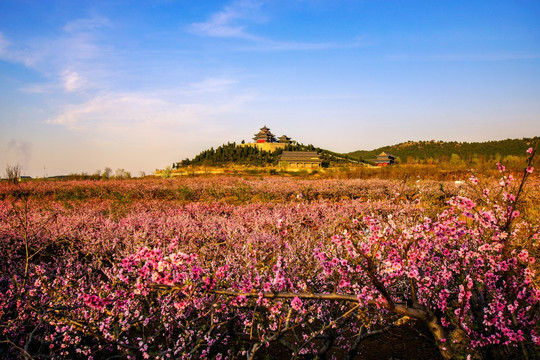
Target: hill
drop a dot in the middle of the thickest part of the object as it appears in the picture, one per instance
(439, 151)
(231, 153)
(411, 152)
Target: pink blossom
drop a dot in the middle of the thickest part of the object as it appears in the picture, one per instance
(523, 256)
(296, 303)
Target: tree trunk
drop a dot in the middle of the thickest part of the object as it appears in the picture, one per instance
(439, 334)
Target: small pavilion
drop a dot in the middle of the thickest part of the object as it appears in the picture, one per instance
(385, 159)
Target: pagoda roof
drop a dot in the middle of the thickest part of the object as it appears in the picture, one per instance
(265, 135)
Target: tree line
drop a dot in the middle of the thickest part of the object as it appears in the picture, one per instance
(436, 152)
(231, 153)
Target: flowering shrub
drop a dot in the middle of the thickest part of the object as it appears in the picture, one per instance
(222, 188)
(97, 276)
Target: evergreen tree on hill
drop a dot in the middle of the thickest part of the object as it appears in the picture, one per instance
(230, 153)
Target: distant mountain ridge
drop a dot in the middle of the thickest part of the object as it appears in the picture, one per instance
(436, 151)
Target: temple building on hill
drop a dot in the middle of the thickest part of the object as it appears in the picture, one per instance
(265, 140)
(385, 159)
(300, 159)
(264, 136)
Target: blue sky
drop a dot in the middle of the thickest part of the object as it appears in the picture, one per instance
(140, 84)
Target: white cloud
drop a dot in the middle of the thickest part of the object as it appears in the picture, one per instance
(16, 53)
(67, 61)
(229, 23)
(226, 22)
(72, 81)
(140, 114)
(210, 85)
(107, 111)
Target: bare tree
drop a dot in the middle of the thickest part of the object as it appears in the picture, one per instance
(13, 173)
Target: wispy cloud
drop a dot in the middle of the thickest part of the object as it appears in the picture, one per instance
(143, 113)
(462, 57)
(210, 85)
(111, 110)
(227, 23)
(68, 60)
(16, 53)
(231, 22)
(3, 44)
(80, 62)
(72, 81)
(270, 45)
(91, 23)
(68, 81)
(320, 97)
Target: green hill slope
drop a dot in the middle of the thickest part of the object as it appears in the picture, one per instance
(440, 151)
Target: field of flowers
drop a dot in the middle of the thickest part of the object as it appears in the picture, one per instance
(232, 268)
